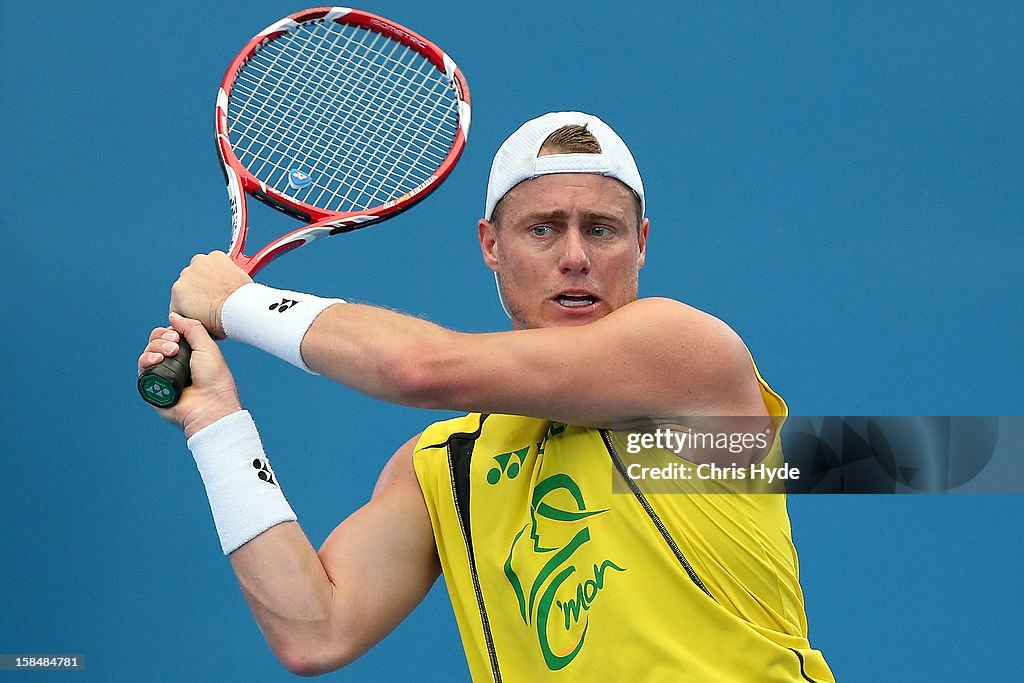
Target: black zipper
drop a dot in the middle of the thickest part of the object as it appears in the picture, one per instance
(652, 514)
(802, 671)
(463, 522)
(668, 537)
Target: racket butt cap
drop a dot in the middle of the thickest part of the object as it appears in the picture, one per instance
(163, 384)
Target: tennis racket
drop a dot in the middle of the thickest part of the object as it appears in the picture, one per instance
(338, 118)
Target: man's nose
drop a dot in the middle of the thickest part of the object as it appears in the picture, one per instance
(574, 257)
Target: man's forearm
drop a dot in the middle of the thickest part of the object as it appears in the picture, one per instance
(383, 354)
(284, 581)
(290, 596)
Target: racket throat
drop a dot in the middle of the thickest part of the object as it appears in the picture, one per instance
(275, 203)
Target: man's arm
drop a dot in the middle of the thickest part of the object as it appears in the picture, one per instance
(650, 358)
(318, 611)
(653, 358)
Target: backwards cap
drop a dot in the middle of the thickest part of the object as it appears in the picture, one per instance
(517, 160)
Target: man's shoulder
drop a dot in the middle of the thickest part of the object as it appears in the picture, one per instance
(668, 310)
(664, 323)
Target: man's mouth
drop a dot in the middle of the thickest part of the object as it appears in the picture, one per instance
(576, 300)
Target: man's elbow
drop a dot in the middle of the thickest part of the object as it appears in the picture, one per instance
(316, 650)
(302, 660)
(300, 665)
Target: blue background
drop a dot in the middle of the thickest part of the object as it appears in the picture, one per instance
(841, 182)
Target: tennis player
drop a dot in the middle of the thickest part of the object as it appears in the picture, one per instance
(552, 576)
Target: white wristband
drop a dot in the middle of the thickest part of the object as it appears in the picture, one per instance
(245, 497)
(274, 320)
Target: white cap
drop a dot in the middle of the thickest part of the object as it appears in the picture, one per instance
(517, 160)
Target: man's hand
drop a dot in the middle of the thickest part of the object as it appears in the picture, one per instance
(213, 393)
(203, 286)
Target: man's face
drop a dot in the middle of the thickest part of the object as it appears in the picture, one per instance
(567, 249)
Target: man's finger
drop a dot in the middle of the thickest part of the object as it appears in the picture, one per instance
(163, 343)
(167, 333)
(191, 330)
(148, 359)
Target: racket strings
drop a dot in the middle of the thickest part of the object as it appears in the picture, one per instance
(412, 164)
(347, 122)
(291, 113)
(357, 147)
(361, 150)
(281, 111)
(317, 137)
(366, 117)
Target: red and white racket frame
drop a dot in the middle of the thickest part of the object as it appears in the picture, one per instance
(323, 223)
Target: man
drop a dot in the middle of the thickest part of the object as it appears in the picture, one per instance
(551, 574)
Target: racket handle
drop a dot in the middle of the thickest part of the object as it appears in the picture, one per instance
(162, 384)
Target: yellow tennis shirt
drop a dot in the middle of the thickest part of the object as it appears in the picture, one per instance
(553, 576)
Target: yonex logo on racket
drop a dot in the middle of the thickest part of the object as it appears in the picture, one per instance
(283, 305)
(298, 179)
(157, 390)
(398, 33)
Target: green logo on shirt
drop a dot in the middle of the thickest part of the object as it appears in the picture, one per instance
(508, 464)
(558, 528)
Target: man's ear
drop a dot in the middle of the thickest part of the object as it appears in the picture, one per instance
(487, 233)
(645, 229)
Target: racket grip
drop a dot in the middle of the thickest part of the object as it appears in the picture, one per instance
(162, 384)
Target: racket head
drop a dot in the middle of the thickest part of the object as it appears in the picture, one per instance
(339, 118)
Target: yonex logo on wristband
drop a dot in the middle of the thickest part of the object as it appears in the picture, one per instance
(283, 306)
(250, 316)
(263, 471)
(245, 497)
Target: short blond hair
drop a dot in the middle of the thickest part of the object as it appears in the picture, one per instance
(571, 139)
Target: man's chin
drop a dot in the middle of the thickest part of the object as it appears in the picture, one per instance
(563, 316)
(553, 314)
(553, 321)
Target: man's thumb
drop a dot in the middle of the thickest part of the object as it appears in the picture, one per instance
(191, 330)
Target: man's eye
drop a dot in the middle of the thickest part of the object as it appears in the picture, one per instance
(602, 231)
(540, 230)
